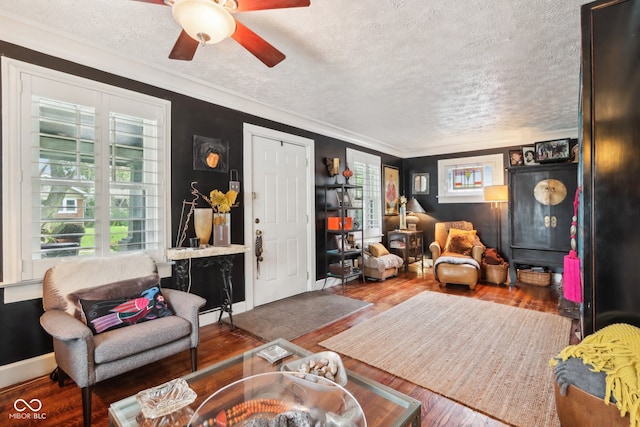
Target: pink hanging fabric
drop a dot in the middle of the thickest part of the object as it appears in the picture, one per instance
(571, 276)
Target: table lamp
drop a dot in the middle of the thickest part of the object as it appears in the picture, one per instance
(413, 207)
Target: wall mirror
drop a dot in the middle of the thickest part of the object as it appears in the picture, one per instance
(420, 183)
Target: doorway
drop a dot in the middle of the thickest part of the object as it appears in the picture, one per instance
(279, 206)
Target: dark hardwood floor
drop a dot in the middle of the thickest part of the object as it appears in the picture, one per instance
(62, 406)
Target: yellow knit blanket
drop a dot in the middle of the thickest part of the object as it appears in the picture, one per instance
(614, 350)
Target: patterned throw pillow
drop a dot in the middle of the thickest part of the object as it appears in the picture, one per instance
(460, 244)
(110, 314)
(111, 291)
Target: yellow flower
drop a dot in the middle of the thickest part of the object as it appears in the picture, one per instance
(221, 203)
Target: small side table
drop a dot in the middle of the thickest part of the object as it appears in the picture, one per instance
(221, 256)
(409, 244)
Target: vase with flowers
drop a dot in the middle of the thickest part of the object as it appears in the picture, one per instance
(221, 204)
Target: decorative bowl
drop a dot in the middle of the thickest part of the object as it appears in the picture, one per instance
(279, 398)
(166, 398)
(326, 364)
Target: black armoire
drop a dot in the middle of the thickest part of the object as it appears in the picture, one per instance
(611, 163)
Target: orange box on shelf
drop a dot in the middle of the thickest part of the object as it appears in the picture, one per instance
(335, 223)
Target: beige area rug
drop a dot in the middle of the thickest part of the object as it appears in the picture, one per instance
(490, 357)
(292, 317)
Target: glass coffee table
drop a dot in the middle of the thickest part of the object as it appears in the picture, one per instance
(383, 406)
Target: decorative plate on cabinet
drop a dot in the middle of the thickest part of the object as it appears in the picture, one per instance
(550, 192)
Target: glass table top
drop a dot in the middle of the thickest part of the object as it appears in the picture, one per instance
(383, 406)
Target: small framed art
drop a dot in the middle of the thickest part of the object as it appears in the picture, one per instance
(344, 200)
(515, 158)
(529, 154)
(210, 154)
(556, 150)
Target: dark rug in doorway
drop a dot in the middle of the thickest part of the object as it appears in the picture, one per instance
(292, 317)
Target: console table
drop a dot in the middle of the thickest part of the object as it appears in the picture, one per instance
(221, 256)
(408, 244)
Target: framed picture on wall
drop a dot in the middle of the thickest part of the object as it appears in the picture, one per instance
(210, 154)
(420, 183)
(391, 183)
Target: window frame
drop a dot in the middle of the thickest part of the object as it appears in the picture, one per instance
(18, 268)
(489, 167)
(369, 233)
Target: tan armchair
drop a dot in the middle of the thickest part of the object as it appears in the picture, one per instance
(100, 330)
(460, 262)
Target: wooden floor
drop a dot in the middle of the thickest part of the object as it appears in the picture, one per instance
(62, 406)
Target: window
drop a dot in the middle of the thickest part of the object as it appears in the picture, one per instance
(69, 206)
(85, 170)
(367, 172)
(462, 180)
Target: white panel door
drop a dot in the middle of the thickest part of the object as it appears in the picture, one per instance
(279, 210)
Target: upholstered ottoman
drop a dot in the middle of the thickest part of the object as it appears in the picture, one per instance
(462, 274)
(378, 263)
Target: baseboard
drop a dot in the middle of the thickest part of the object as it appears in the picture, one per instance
(327, 283)
(27, 369)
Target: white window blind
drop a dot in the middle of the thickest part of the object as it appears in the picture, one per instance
(367, 173)
(97, 162)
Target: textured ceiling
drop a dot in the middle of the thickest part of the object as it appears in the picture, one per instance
(409, 77)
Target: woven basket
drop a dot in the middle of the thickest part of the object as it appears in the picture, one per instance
(496, 274)
(534, 277)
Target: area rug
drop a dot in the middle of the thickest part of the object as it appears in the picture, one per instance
(490, 357)
(292, 317)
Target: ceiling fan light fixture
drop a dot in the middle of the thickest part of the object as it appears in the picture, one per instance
(204, 20)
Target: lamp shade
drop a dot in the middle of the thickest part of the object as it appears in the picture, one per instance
(496, 193)
(204, 20)
(414, 207)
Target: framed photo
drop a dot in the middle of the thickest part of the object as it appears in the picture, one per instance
(556, 150)
(529, 154)
(516, 158)
(391, 183)
(342, 244)
(210, 154)
(420, 183)
(343, 198)
(575, 151)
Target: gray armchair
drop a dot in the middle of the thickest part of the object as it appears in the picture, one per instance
(88, 356)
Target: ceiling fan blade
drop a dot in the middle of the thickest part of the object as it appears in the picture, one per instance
(249, 5)
(153, 1)
(184, 48)
(257, 45)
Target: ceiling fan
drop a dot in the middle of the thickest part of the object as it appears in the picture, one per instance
(210, 21)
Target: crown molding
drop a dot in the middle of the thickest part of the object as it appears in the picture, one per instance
(51, 41)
